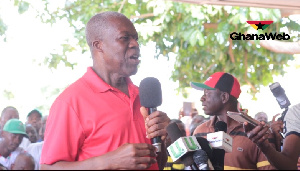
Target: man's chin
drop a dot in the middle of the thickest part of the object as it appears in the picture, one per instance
(132, 72)
(11, 149)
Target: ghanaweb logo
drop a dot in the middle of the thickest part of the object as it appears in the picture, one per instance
(259, 25)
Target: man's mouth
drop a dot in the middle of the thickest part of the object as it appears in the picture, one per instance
(135, 59)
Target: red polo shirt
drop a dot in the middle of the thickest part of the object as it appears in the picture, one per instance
(91, 118)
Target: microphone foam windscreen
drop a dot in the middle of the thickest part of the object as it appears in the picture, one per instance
(150, 92)
(220, 126)
(173, 131)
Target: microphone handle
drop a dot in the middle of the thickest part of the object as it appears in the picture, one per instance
(156, 141)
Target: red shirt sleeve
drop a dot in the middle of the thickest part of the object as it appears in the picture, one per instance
(64, 134)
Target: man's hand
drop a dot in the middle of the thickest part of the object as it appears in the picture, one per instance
(155, 123)
(277, 127)
(131, 157)
(257, 134)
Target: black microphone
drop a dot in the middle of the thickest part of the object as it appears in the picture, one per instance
(151, 97)
(219, 154)
(187, 157)
(205, 145)
(202, 160)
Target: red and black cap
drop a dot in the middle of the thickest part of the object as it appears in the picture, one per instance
(222, 81)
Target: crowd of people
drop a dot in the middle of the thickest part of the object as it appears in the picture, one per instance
(98, 122)
(21, 144)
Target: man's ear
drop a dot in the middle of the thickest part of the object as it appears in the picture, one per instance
(225, 97)
(97, 45)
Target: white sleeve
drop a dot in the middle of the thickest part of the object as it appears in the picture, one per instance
(25, 143)
(292, 121)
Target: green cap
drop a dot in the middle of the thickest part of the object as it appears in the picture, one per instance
(15, 126)
(34, 111)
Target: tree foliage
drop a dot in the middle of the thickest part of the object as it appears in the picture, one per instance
(197, 35)
(22, 7)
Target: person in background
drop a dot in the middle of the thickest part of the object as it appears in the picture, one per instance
(24, 161)
(194, 112)
(12, 135)
(42, 130)
(261, 117)
(221, 93)
(31, 133)
(287, 158)
(35, 149)
(34, 118)
(196, 121)
(180, 114)
(113, 130)
(8, 113)
(241, 109)
(187, 118)
(170, 165)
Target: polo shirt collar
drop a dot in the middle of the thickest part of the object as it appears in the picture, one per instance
(98, 85)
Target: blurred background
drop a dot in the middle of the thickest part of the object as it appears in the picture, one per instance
(34, 70)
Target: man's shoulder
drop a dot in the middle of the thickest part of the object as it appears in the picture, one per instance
(73, 89)
(294, 111)
(35, 145)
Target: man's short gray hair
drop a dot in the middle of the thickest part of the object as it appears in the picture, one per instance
(98, 24)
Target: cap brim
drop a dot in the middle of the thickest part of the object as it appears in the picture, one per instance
(18, 132)
(200, 86)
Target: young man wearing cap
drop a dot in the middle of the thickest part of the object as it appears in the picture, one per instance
(8, 113)
(221, 91)
(34, 118)
(12, 135)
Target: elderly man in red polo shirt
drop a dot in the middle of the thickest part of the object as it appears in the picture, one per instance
(98, 122)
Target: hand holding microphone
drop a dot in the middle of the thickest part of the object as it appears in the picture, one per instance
(155, 121)
(131, 157)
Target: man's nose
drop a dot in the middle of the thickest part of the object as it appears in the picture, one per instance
(134, 43)
(202, 99)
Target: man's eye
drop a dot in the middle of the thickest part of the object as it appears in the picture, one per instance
(125, 37)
